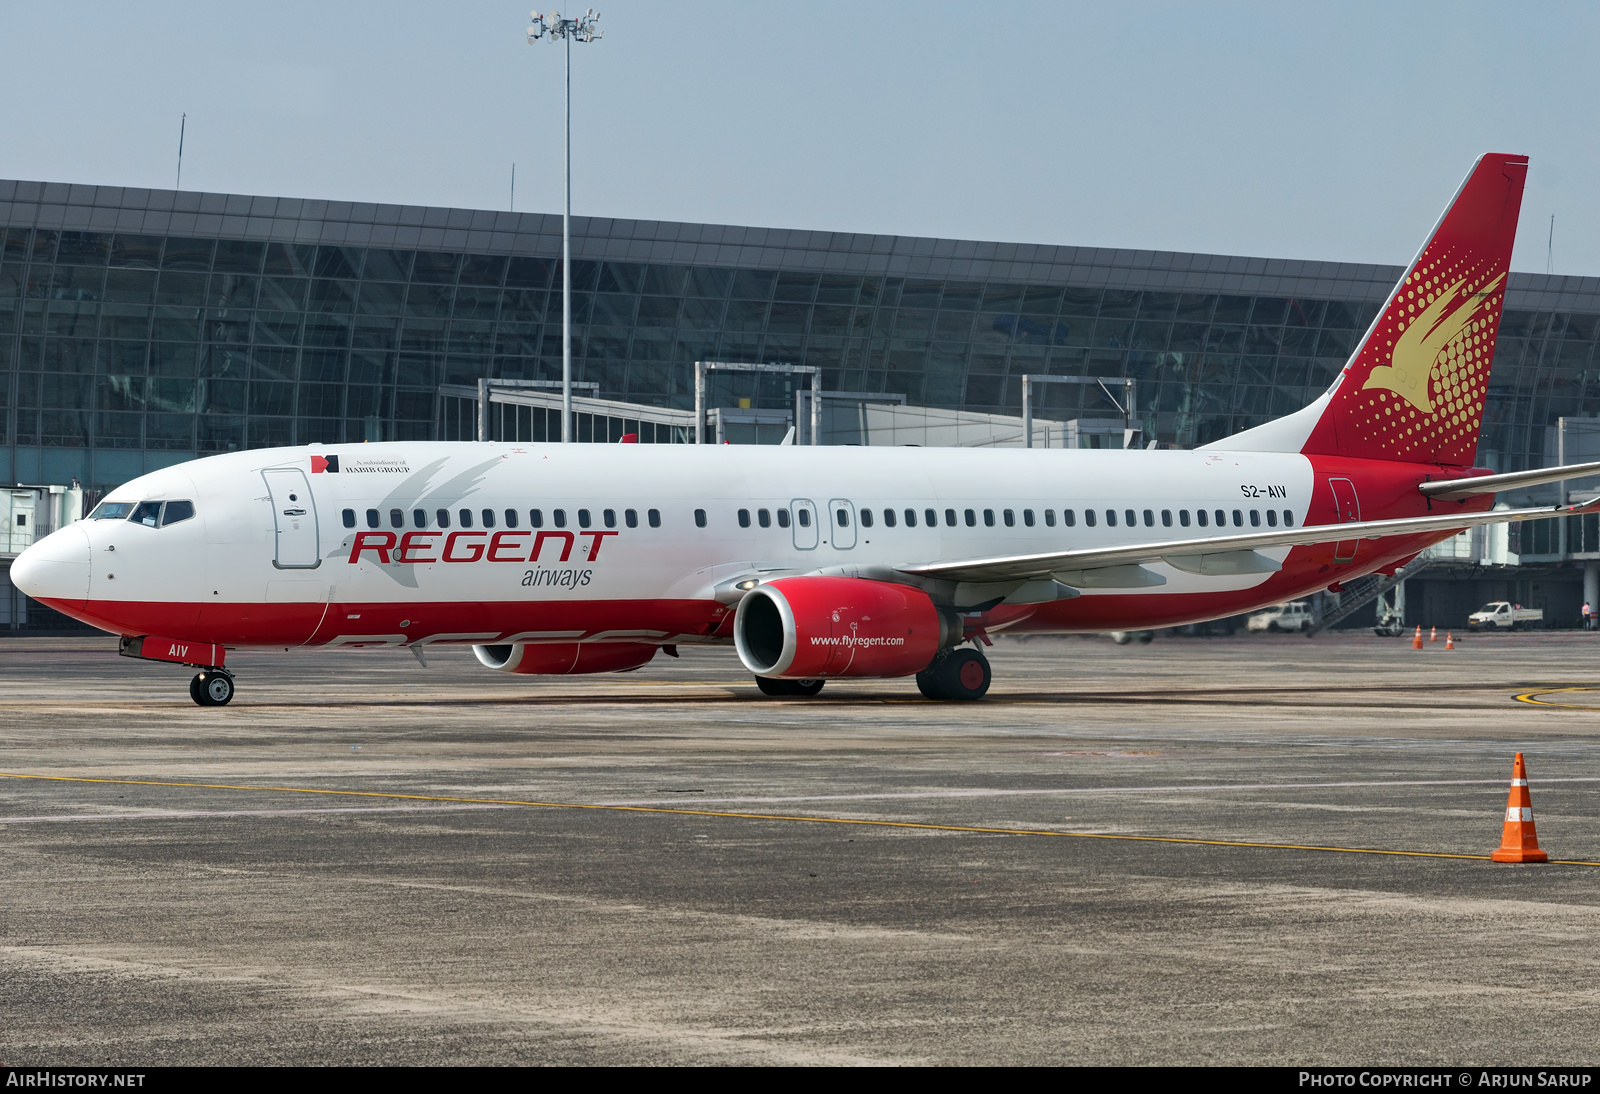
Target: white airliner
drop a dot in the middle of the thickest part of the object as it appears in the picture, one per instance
(814, 562)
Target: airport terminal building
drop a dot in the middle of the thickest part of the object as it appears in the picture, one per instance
(140, 328)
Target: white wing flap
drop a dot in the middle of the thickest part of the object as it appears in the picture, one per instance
(1183, 552)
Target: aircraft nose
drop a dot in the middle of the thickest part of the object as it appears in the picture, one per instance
(55, 568)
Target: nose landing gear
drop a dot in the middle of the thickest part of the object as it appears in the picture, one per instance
(956, 674)
(212, 688)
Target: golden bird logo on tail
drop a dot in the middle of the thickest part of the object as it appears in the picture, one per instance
(1425, 339)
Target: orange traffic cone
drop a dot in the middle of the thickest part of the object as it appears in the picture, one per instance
(1518, 841)
(1416, 641)
(1449, 641)
(1433, 635)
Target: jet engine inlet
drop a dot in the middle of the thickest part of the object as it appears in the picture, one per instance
(816, 627)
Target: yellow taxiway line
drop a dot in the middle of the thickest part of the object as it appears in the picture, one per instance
(774, 817)
(1533, 697)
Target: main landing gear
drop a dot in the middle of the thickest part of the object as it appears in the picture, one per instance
(212, 688)
(791, 688)
(956, 674)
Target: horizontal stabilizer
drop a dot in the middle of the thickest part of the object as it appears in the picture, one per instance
(1117, 567)
(1457, 489)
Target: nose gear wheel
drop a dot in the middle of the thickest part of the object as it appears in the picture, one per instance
(211, 688)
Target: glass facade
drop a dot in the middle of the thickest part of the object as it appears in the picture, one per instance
(141, 327)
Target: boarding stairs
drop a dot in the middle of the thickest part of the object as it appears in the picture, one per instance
(1361, 592)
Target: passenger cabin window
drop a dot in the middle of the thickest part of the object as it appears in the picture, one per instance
(1238, 519)
(1088, 517)
(1222, 519)
(466, 518)
(804, 517)
(911, 518)
(176, 511)
(1200, 517)
(744, 518)
(631, 516)
(1183, 517)
(419, 518)
(866, 518)
(1150, 519)
(988, 518)
(488, 518)
(843, 517)
(397, 518)
(1111, 518)
(609, 516)
(1166, 518)
(148, 513)
(1288, 518)
(535, 518)
(655, 518)
(559, 517)
(583, 518)
(1049, 518)
(1010, 517)
(1069, 517)
(972, 518)
(511, 518)
(764, 517)
(443, 516)
(372, 518)
(349, 517)
(699, 518)
(783, 518)
(1272, 518)
(1027, 517)
(1131, 517)
(888, 518)
(1255, 518)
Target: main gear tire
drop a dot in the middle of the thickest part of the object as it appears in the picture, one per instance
(961, 675)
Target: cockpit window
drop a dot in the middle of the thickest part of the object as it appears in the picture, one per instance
(111, 510)
(176, 511)
(147, 513)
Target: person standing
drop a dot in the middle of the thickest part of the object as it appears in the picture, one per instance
(1588, 616)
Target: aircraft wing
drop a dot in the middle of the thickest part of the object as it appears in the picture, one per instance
(1233, 554)
(1457, 489)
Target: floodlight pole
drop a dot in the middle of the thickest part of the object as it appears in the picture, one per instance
(554, 27)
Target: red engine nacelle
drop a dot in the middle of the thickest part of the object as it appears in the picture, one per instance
(565, 658)
(806, 628)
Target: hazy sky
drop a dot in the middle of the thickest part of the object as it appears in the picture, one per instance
(1300, 131)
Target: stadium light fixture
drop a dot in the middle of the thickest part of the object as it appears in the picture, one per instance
(552, 27)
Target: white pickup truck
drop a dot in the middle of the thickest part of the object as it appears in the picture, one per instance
(1500, 615)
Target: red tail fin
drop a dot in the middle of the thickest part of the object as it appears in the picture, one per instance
(1415, 388)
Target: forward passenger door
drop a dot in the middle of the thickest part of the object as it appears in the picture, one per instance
(295, 518)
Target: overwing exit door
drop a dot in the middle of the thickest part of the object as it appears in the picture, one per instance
(1348, 509)
(295, 517)
(842, 523)
(805, 524)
